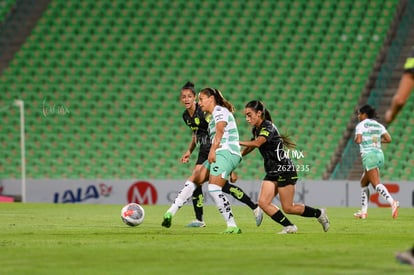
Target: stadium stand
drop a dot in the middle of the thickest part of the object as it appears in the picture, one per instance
(5, 8)
(101, 80)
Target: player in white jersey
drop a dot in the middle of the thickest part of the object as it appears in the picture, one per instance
(198, 121)
(224, 155)
(369, 134)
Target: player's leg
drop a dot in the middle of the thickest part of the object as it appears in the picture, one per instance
(268, 191)
(373, 162)
(374, 178)
(184, 195)
(363, 213)
(198, 203)
(286, 195)
(219, 172)
(241, 196)
(199, 176)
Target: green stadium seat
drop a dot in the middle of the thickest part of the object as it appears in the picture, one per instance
(119, 67)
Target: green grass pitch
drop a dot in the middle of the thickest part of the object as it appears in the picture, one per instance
(91, 239)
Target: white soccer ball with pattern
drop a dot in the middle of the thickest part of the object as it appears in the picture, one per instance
(132, 214)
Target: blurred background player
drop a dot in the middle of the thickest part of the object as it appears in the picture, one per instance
(406, 257)
(369, 134)
(281, 175)
(198, 122)
(405, 87)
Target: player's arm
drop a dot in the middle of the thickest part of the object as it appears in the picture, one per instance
(398, 101)
(191, 146)
(246, 150)
(358, 138)
(220, 125)
(256, 143)
(358, 134)
(385, 138)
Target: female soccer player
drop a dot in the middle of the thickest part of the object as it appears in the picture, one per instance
(281, 173)
(369, 134)
(198, 121)
(224, 155)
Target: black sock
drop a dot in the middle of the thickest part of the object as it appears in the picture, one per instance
(311, 212)
(280, 218)
(238, 194)
(198, 202)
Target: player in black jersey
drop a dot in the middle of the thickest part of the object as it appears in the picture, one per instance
(197, 120)
(281, 175)
(405, 87)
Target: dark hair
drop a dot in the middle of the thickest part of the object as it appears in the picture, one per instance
(368, 110)
(189, 86)
(257, 105)
(219, 98)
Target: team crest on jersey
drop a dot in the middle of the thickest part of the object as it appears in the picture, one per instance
(207, 117)
(264, 132)
(197, 121)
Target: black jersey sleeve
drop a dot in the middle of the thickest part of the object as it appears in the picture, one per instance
(266, 130)
(409, 63)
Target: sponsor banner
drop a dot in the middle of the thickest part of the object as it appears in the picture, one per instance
(163, 192)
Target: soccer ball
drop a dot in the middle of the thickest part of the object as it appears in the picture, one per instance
(132, 214)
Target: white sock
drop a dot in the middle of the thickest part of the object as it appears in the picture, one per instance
(182, 196)
(364, 199)
(383, 191)
(222, 204)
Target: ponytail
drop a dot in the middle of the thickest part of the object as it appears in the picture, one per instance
(218, 97)
(267, 115)
(257, 105)
(288, 142)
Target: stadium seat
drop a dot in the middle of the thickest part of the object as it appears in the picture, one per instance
(119, 66)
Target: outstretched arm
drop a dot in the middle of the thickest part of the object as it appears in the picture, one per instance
(251, 145)
(400, 98)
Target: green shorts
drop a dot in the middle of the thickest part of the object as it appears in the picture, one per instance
(225, 163)
(371, 160)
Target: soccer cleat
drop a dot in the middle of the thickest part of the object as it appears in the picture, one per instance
(290, 229)
(406, 257)
(167, 220)
(394, 208)
(360, 215)
(323, 219)
(232, 230)
(196, 223)
(258, 213)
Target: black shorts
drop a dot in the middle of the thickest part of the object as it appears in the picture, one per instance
(282, 178)
(203, 154)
